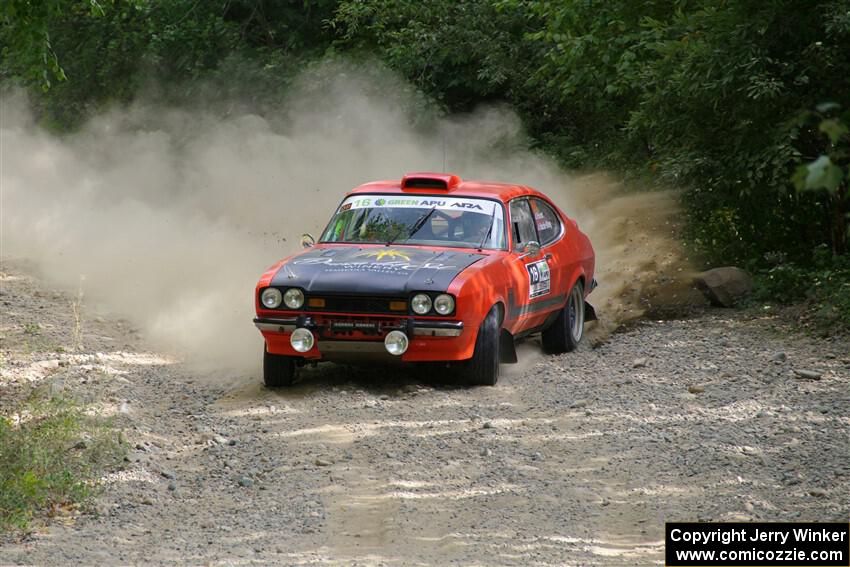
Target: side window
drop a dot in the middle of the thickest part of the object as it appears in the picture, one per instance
(546, 220)
(522, 223)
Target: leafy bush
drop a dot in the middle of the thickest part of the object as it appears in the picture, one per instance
(51, 456)
(786, 283)
(93, 54)
(707, 95)
(823, 286)
(829, 173)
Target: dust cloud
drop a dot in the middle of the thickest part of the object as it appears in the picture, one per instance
(171, 214)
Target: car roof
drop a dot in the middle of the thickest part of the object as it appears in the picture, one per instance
(430, 183)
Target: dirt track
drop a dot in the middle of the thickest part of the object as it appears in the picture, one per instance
(576, 459)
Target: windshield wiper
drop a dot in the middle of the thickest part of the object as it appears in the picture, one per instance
(489, 230)
(416, 226)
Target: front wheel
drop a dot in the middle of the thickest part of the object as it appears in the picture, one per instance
(567, 330)
(483, 368)
(278, 370)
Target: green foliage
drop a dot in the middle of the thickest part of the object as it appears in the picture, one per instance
(824, 286)
(787, 283)
(51, 456)
(819, 174)
(705, 94)
(830, 172)
(462, 53)
(32, 329)
(174, 51)
(26, 35)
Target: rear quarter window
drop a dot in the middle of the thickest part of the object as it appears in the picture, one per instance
(546, 220)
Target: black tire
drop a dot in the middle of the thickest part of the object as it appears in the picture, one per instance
(279, 370)
(566, 332)
(483, 368)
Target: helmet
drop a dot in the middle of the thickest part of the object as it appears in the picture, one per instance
(474, 225)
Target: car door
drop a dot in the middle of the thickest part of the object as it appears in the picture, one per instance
(557, 252)
(530, 296)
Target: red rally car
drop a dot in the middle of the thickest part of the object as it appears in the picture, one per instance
(429, 269)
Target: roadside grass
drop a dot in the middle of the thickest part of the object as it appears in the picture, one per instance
(51, 455)
(32, 329)
(32, 339)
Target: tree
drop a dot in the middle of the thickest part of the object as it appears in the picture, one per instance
(25, 36)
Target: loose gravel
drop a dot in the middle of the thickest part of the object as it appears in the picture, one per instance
(573, 459)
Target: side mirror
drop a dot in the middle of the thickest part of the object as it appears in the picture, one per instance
(307, 240)
(531, 248)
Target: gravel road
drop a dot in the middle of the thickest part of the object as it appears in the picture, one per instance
(576, 459)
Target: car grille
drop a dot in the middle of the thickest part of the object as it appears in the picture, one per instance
(354, 304)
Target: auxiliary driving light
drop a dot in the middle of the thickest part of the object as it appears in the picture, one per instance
(302, 339)
(396, 343)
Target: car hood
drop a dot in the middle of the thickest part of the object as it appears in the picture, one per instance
(384, 270)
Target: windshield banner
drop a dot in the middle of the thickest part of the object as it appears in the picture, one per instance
(426, 202)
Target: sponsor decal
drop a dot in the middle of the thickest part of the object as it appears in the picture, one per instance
(380, 254)
(358, 270)
(395, 266)
(468, 206)
(539, 278)
(542, 222)
(447, 203)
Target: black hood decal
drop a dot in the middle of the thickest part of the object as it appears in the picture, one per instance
(385, 270)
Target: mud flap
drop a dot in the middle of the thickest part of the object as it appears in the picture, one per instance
(507, 348)
(589, 312)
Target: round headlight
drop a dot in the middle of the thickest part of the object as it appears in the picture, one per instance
(444, 304)
(396, 343)
(271, 298)
(294, 298)
(421, 304)
(302, 340)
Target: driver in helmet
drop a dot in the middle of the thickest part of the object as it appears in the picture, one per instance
(475, 226)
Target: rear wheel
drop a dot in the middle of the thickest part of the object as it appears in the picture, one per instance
(567, 330)
(278, 370)
(483, 368)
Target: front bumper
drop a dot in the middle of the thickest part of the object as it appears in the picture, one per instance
(411, 326)
(363, 337)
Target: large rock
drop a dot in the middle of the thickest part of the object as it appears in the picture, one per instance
(724, 286)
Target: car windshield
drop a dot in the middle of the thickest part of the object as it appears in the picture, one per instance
(426, 220)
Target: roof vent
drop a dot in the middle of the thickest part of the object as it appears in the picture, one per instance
(425, 180)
